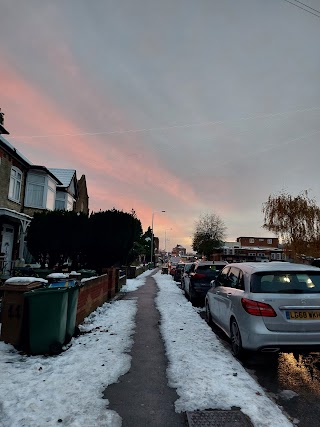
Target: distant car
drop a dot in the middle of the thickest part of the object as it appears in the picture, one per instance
(268, 307)
(178, 271)
(197, 281)
(172, 267)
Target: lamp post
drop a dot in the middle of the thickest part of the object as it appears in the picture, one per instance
(152, 236)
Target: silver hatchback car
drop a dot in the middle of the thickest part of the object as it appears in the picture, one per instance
(267, 307)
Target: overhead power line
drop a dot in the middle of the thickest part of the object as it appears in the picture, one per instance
(306, 10)
(297, 1)
(169, 127)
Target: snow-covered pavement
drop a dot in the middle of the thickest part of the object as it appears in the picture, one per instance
(66, 390)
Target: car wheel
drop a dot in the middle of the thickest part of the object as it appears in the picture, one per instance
(236, 341)
(208, 314)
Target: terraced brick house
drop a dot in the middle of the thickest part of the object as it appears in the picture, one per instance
(26, 188)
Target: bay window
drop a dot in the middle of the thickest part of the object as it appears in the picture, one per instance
(15, 184)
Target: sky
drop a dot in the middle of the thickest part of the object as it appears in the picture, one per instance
(191, 107)
(40, 390)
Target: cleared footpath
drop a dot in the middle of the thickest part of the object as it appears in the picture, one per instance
(142, 397)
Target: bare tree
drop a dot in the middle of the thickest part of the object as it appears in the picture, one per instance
(209, 233)
(296, 221)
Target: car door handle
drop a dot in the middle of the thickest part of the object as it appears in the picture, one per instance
(229, 293)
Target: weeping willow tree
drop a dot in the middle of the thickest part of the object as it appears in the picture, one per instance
(296, 221)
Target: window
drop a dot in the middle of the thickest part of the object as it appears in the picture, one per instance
(15, 184)
(251, 254)
(222, 278)
(40, 191)
(269, 241)
(240, 281)
(233, 277)
(64, 201)
(251, 240)
(300, 282)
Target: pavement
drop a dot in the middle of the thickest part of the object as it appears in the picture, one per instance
(142, 397)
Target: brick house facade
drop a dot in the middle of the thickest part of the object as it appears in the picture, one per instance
(252, 249)
(25, 189)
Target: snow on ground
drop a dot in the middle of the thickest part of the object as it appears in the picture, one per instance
(39, 391)
(67, 389)
(134, 284)
(202, 370)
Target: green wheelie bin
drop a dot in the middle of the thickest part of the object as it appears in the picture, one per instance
(72, 286)
(73, 293)
(47, 313)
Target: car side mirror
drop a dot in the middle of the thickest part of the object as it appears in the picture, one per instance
(213, 284)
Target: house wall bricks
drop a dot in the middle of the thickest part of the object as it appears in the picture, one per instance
(82, 203)
(6, 162)
(259, 241)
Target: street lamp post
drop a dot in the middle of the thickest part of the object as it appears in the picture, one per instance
(152, 236)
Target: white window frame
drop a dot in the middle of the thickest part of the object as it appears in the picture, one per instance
(269, 241)
(15, 184)
(64, 199)
(251, 240)
(47, 191)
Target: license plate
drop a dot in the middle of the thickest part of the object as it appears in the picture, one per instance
(304, 315)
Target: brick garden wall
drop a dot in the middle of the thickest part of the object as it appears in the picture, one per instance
(95, 292)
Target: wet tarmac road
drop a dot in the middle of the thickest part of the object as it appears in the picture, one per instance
(292, 380)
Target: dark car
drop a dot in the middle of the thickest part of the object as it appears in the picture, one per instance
(178, 271)
(197, 281)
(185, 272)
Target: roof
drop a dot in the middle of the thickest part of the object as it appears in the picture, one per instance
(64, 175)
(47, 171)
(11, 148)
(256, 267)
(3, 130)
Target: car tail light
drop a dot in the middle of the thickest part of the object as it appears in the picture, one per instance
(256, 308)
(199, 276)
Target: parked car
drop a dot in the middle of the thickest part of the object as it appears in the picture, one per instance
(178, 271)
(185, 272)
(197, 281)
(172, 264)
(268, 307)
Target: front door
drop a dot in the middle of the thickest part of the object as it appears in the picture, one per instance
(7, 247)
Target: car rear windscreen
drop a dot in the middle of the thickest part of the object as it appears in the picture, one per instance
(300, 282)
(209, 269)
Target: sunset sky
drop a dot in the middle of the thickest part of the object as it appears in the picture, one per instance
(187, 106)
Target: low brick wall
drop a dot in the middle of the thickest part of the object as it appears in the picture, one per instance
(95, 292)
(133, 271)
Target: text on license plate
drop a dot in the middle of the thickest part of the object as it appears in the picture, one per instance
(303, 315)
